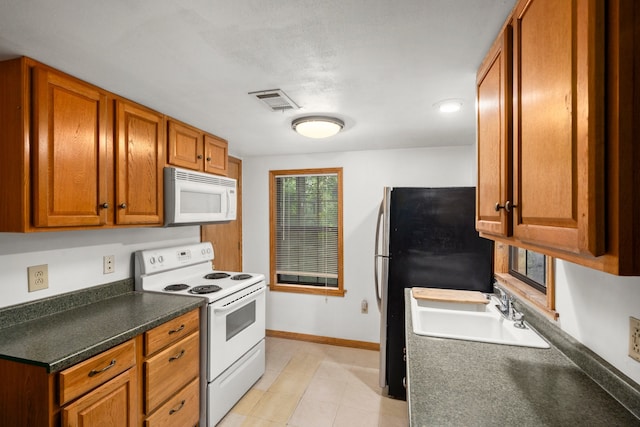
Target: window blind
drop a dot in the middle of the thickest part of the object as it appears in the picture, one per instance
(307, 229)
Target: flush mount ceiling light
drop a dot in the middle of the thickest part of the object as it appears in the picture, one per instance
(449, 105)
(317, 126)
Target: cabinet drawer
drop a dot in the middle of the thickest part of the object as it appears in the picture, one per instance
(170, 332)
(170, 370)
(181, 410)
(89, 374)
(116, 401)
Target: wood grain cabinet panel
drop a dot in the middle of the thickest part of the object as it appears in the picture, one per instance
(170, 332)
(139, 147)
(191, 148)
(117, 387)
(185, 146)
(569, 156)
(180, 410)
(170, 370)
(87, 375)
(216, 159)
(559, 124)
(75, 156)
(70, 152)
(494, 138)
(113, 403)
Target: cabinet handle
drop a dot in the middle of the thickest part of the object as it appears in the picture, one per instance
(173, 331)
(105, 205)
(507, 206)
(177, 356)
(95, 372)
(123, 206)
(208, 159)
(176, 409)
(199, 156)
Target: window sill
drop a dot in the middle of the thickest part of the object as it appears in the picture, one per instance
(535, 298)
(313, 290)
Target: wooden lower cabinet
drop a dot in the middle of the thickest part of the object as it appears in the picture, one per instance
(180, 410)
(171, 373)
(113, 403)
(123, 386)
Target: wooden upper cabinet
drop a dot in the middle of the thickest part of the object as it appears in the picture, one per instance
(493, 94)
(216, 158)
(558, 143)
(70, 151)
(139, 147)
(185, 146)
(191, 148)
(575, 108)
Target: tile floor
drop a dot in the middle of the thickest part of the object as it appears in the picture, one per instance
(317, 385)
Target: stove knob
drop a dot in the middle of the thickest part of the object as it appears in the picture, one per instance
(152, 260)
(160, 259)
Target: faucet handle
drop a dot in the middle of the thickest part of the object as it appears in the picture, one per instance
(519, 319)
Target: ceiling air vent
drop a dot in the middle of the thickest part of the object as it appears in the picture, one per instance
(275, 100)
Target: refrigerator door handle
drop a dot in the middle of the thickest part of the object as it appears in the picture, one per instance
(376, 273)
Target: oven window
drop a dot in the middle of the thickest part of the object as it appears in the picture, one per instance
(241, 319)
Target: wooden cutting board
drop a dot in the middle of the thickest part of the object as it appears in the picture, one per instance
(450, 295)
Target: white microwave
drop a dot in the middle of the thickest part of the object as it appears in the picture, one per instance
(192, 198)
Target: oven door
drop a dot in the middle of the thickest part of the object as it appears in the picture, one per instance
(236, 324)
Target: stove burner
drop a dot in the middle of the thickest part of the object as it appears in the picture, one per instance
(205, 289)
(216, 276)
(176, 287)
(242, 276)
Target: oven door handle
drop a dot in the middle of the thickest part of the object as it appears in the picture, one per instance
(239, 302)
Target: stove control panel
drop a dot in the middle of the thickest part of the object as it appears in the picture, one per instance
(163, 259)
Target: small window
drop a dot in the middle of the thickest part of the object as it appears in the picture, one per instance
(306, 231)
(529, 275)
(529, 266)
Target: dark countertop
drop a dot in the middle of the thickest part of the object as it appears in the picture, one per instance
(61, 339)
(455, 383)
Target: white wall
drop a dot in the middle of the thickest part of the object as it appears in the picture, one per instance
(74, 258)
(365, 173)
(595, 307)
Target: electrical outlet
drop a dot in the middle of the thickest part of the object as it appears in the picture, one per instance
(38, 277)
(634, 338)
(108, 264)
(364, 307)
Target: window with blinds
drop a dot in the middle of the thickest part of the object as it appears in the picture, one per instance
(306, 230)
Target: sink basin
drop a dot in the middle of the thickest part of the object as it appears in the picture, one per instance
(470, 322)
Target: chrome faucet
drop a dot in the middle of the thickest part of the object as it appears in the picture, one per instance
(507, 309)
(505, 303)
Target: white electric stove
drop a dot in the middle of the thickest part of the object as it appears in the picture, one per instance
(233, 326)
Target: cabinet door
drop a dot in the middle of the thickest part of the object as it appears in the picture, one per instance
(69, 147)
(559, 124)
(170, 370)
(494, 138)
(185, 146)
(139, 164)
(215, 155)
(114, 403)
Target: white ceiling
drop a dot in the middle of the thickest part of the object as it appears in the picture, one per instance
(379, 65)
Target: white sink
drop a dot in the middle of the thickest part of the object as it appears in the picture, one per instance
(470, 322)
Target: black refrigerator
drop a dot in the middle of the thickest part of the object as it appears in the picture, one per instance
(425, 237)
